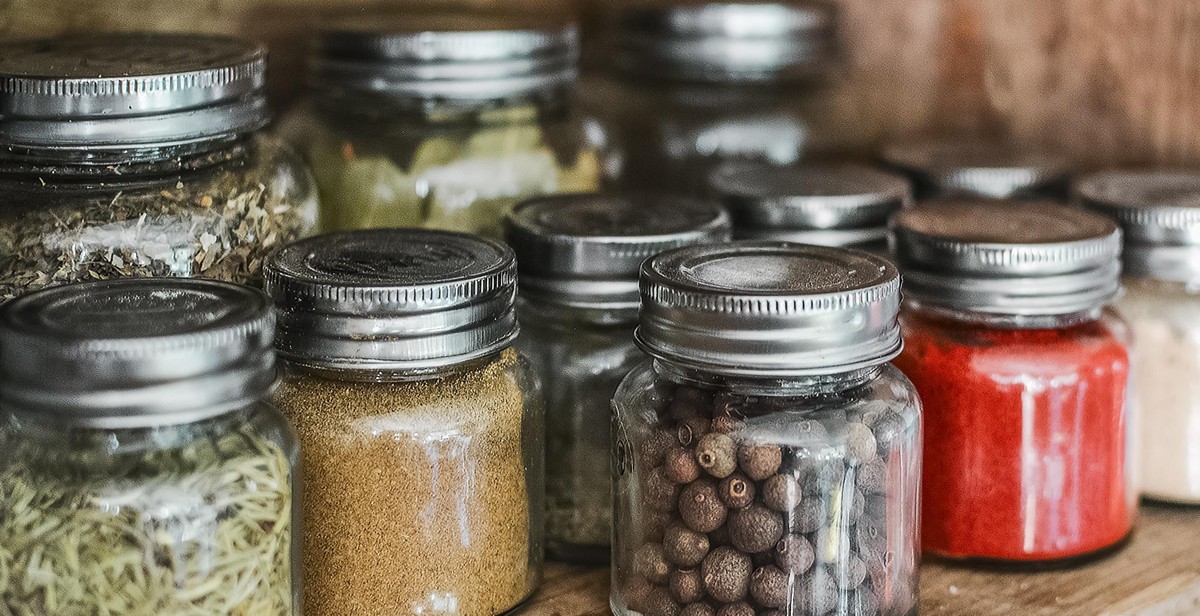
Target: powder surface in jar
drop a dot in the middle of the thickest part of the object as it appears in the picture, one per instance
(1026, 456)
(415, 496)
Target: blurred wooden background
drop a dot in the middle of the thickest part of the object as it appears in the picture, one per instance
(1108, 81)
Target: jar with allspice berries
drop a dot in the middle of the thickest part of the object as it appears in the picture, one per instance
(767, 459)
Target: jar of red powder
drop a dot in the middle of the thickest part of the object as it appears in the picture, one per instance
(1024, 373)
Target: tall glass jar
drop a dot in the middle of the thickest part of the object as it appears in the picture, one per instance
(980, 168)
(141, 471)
(1159, 215)
(691, 85)
(1025, 379)
(578, 258)
(421, 426)
(829, 205)
(767, 460)
(127, 155)
(442, 123)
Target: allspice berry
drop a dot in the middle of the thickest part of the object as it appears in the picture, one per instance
(650, 563)
(809, 516)
(658, 491)
(681, 465)
(872, 477)
(769, 586)
(755, 528)
(660, 603)
(794, 554)
(860, 443)
(700, 506)
(862, 602)
(717, 454)
(699, 609)
(737, 491)
(889, 428)
(689, 402)
(691, 430)
(726, 574)
(637, 589)
(725, 424)
(654, 523)
(816, 593)
(655, 446)
(760, 461)
(684, 547)
(852, 572)
(741, 608)
(687, 586)
(781, 492)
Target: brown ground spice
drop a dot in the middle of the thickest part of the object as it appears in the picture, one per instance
(415, 496)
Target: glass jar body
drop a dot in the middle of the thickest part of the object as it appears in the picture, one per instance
(1165, 320)
(798, 495)
(384, 163)
(580, 357)
(1027, 429)
(189, 519)
(214, 210)
(423, 494)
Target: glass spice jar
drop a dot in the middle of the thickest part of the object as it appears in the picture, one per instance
(691, 85)
(1025, 378)
(141, 471)
(829, 205)
(421, 426)
(1159, 214)
(980, 168)
(767, 460)
(127, 155)
(578, 259)
(442, 122)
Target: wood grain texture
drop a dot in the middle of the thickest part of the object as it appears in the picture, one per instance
(1157, 574)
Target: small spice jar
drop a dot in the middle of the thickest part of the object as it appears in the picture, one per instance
(975, 168)
(829, 205)
(128, 155)
(1025, 378)
(141, 472)
(422, 429)
(1159, 214)
(691, 85)
(767, 460)
(578, 259)
(442, 122)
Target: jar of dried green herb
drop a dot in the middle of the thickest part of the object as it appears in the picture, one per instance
(421, 426)
(140, 470)
(579, 257)
(442, 123)
(128, 155)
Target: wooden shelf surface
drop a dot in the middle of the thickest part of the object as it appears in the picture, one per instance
(1156, 574)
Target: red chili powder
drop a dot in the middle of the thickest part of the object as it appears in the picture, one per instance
(1025, 438)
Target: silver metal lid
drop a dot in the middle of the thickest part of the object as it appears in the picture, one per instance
(1159, 212)
(770, 309)
(1026, 259)
(392, 299)
(835, 205)
(452, 57)
(586, 250)
(728, 42)
(979, 168)
(130, 90)
(136, 352)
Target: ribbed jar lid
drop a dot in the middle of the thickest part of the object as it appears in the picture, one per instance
(392, 299)
(727, 42)
(1025, 259)
(769, 309)
(136, 352)
(979, 168)
(129, 90)
(834, 205)
(467, 57)
(1159, 212)
(586, 250)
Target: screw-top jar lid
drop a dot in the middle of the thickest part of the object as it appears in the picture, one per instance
(769, 309)
(979, 168)
(392, 299)
(727, 42)
(1025, 259)
(464, 57)
(832, 205)
(586, 250)
(1159, 212)
(136, 352)
(129, 90)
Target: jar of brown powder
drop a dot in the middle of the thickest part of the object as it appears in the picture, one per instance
(421, 429)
